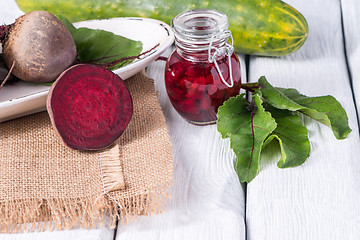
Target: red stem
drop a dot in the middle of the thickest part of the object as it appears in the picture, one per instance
(8, 75)
(113, 63)
(161, 58)
(253, 134)
(251, 87)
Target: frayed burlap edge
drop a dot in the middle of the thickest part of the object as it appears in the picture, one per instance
(69, 213)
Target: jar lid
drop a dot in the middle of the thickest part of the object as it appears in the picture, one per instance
(199, 24)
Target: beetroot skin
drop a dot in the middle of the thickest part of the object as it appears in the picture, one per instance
(89, 106)
(40, 45)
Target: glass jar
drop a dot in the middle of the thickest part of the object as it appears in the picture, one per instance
(203, 71)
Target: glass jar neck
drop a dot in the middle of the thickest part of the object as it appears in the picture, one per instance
(202, 35)
(198, 30)
(200, 52)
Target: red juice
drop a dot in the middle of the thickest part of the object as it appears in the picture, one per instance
(196, 89)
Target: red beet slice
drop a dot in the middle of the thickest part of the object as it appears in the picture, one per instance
(89, 106)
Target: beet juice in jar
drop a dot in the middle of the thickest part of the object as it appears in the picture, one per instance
(203, 71)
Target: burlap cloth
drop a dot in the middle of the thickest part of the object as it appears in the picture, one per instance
(49, 186)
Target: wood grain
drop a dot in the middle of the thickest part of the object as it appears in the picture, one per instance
(207, 199)
(351, 25)
(318, 200)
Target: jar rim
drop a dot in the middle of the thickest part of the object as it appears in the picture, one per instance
(199, 24)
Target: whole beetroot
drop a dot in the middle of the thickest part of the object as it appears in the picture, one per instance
(40, 45)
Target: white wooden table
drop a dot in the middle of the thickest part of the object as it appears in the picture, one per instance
(318, 200)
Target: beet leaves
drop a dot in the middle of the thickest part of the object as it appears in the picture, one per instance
(275, 114)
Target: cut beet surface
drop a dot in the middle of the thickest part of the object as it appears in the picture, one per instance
(89, 106)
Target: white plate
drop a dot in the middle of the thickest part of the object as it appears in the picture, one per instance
(24, 98)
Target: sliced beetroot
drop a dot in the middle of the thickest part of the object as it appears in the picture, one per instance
(89, 106)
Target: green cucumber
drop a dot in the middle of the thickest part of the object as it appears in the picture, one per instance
(259, 27)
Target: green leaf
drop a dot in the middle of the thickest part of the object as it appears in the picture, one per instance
(291, 135)
(275, 97)
(325, 109)
(248, 125)
(102, 46)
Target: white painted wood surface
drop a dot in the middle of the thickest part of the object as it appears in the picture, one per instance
(318, 200)
(208, 200)
(100, 233)
(351, 20)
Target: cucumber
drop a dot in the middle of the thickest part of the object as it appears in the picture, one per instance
(259, 27)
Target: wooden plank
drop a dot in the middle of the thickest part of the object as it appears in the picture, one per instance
(207, 199)
(320, 199)
(351, 25)
(100, 233)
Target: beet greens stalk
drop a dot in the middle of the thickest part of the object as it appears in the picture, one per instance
(111, 64)
(7, 76)
(251, 87)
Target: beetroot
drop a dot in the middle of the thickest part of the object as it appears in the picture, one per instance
(89, 106)
(196, 90)
(40, 45)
